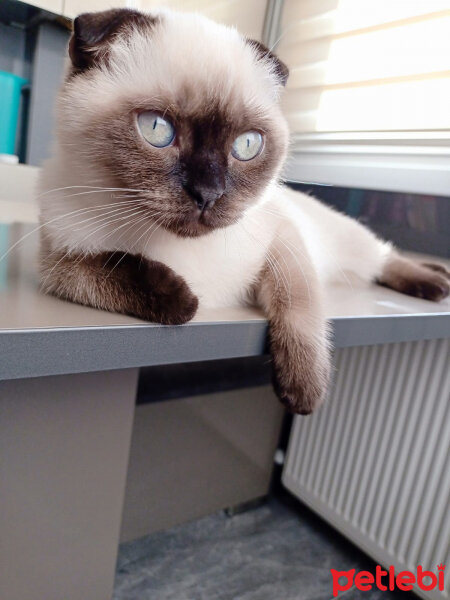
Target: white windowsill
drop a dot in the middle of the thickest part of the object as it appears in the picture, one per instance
(410, 162)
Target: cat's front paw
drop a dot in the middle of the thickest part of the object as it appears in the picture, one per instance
(170, 300)
(300, 373)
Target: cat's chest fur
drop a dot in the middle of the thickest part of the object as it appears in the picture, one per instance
(221, 267)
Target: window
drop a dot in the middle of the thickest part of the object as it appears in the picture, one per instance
(368, 100)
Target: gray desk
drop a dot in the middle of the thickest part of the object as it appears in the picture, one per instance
(41, 335)
(68, 377)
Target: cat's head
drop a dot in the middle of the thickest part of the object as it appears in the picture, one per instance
(178, 107)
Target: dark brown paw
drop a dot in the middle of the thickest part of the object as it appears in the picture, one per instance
(434, 288)
(120, 282)
(428, 280)
(302, 397)
(170, 301)
(300, 375)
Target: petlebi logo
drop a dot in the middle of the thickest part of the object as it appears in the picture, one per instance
(388, 580)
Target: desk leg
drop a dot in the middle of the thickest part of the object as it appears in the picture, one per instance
(64, 444)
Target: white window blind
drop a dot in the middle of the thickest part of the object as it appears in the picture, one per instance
(370, 82)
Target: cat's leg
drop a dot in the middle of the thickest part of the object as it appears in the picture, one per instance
(424, 280)
(120, 282)
(356, 249)
(378, 261)
(289, 292)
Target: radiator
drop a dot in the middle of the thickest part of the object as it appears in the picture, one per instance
(374, 461)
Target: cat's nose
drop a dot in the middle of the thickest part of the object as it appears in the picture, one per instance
(204, 196)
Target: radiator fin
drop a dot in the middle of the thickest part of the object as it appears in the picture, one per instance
(375, 459)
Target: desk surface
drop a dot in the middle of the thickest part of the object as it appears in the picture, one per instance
(41, 335)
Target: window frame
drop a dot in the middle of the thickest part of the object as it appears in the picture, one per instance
(398, 161)
(410, 162)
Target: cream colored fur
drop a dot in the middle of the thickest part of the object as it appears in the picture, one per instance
(221, 267)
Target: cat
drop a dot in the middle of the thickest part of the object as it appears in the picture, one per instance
(163, 192)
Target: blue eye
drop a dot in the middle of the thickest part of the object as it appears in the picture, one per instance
(157, 131)
(247, 146)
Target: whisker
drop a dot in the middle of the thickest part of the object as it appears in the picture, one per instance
(300, 267)
(91, 187)
(114, 220)
(283, 242)
(125, 232)
(273, 264)
(69, 251)
(330, 256)
(55, 219)
(134, 245)
(101, 217)
(105, 215)
(267, 249)
(149, 231)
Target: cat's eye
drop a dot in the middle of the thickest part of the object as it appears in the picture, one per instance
(158, 132)
(247, 146)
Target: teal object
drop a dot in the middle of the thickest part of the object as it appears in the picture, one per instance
(10, 88)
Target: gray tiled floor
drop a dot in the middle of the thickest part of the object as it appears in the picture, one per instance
(279, 551)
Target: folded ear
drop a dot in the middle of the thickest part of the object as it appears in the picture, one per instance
(94, 32)
(263, 53)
